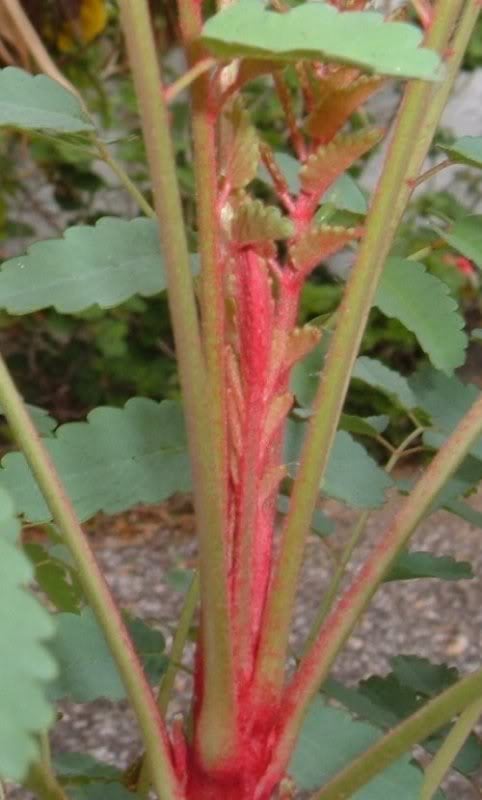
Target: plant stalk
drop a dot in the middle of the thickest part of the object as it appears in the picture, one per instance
(124, 178)
(434, 715)
(216, 723)
(94, 586)
(315, 665)
(416, 124)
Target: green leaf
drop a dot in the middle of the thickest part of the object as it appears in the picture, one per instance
(476, 335)
(330, 739)
(288, 166)
(83, 768)
(25, 666)
(117, 459)
(44, 423)
(466, 150)
(425, 565)
(465, 236)
(58, 580)
(318, 32)
(102, 265)
(352, 475)
(87, 670)
(385, 701)
(445, 399)
(377, 375)
(465, 511)
(346, 195)
(321, 525)
(36, 102)
(101, 791)
(423, 304)
(364, 426)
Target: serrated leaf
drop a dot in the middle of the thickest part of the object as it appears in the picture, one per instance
(466, 150)
(423, 304)
(330, 161)
(426, 565)
(289, 168)
(352, 476)
(319, 32)
(444, 398)
(26, 667)
(36, 102)
(377, 375)
(58, 580)
(319, 242)
(254, 223)
(364, 426)
(242, 146)
(87, 670)
(102, 265)
(119, 458)
(330, 739)
(465, 236)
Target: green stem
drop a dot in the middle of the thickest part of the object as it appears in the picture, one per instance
(216, 722)
(165, 689)
(95, 587)
(417, 120)
(44, 783)
(431, 172)
(109, 159)
(433, 716)
(316, 664)
(357, 533)
(448, 752)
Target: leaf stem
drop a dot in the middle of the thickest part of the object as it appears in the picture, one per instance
(184, 81)
(95, 587)
(425, 176)
(128, 184)
(417, 120)
(465, 694)
(448, 752)
(216, 722)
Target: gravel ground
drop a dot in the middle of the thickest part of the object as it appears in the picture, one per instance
(439, 620)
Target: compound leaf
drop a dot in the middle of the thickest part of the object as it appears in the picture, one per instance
(117, 459)
(319, 32)
(36, 102)
(103, 264)
(25, 666)
(423, 304)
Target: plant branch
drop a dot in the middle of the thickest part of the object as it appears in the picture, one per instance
(433, 716)
(128, 184)
(94, 586)
(184, 81)
(338, 626)
(448, 752)
(216, 724)
(417, 120)
(425, 176)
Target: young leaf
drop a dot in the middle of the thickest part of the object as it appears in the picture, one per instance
(101, 265)
(117, 459)
(423, 304)
(330, 739)
(337, 104)
(465, 236)
(254, 222)
(319, 32)
(86, 668)
(319, 242)
(425, 565)
(242, 146)
(352, 475)
(466, 150)
(330, 161)
(377, 375)
(36, 102)
(25, 665)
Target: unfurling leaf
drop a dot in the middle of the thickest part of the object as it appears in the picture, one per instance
(242, 147)
(330, 161)
(319, 242)
(423, 304)
(36, 102)
(317, 31)
(254, 222)
(25, 666)
(337, 105)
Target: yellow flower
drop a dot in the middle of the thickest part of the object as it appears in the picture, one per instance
(91, 21)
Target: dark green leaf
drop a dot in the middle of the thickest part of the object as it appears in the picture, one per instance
(101, 791)
(364, 426)
(445, 399)
(425, 565)
(57, 579)
(117, 459)
(83, 768)
(36, 102)
(25, 665)
(87, 669)
(330, 739)
(423, 303)
(346, 195)
(377, 375)
(318, 32)
(102, 265)
(466, 150)
(465, 236)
